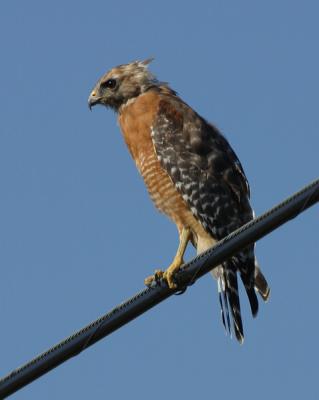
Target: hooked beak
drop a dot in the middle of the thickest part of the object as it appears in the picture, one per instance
(93, 100)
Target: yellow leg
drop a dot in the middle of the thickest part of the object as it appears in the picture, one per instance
(175, 265)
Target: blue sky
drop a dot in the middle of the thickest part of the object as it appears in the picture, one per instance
(78, 233)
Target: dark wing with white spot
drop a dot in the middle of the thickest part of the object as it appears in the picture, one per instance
(208, 174)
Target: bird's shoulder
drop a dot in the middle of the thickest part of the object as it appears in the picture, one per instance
(181, 135)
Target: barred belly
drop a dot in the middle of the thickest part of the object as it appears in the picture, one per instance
(166, 197)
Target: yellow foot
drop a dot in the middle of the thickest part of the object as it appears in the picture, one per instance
(171, 271)
(168, 275)
(158, 275)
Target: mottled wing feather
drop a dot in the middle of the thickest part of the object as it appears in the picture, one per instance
(211, 180)
(202, 166)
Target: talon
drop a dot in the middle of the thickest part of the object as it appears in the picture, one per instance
(158, 275)
(169, 276)
(149, 281)
(154, 279)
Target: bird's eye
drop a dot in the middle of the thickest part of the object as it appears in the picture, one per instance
(110, 84)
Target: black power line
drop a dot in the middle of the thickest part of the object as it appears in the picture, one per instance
(148, 298)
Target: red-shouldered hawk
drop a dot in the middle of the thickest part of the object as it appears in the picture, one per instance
(191, 173)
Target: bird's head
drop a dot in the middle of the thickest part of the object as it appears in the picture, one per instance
(121, 84)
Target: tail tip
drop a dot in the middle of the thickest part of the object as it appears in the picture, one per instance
(265, 294)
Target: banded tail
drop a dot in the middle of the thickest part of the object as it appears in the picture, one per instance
(228, 292)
